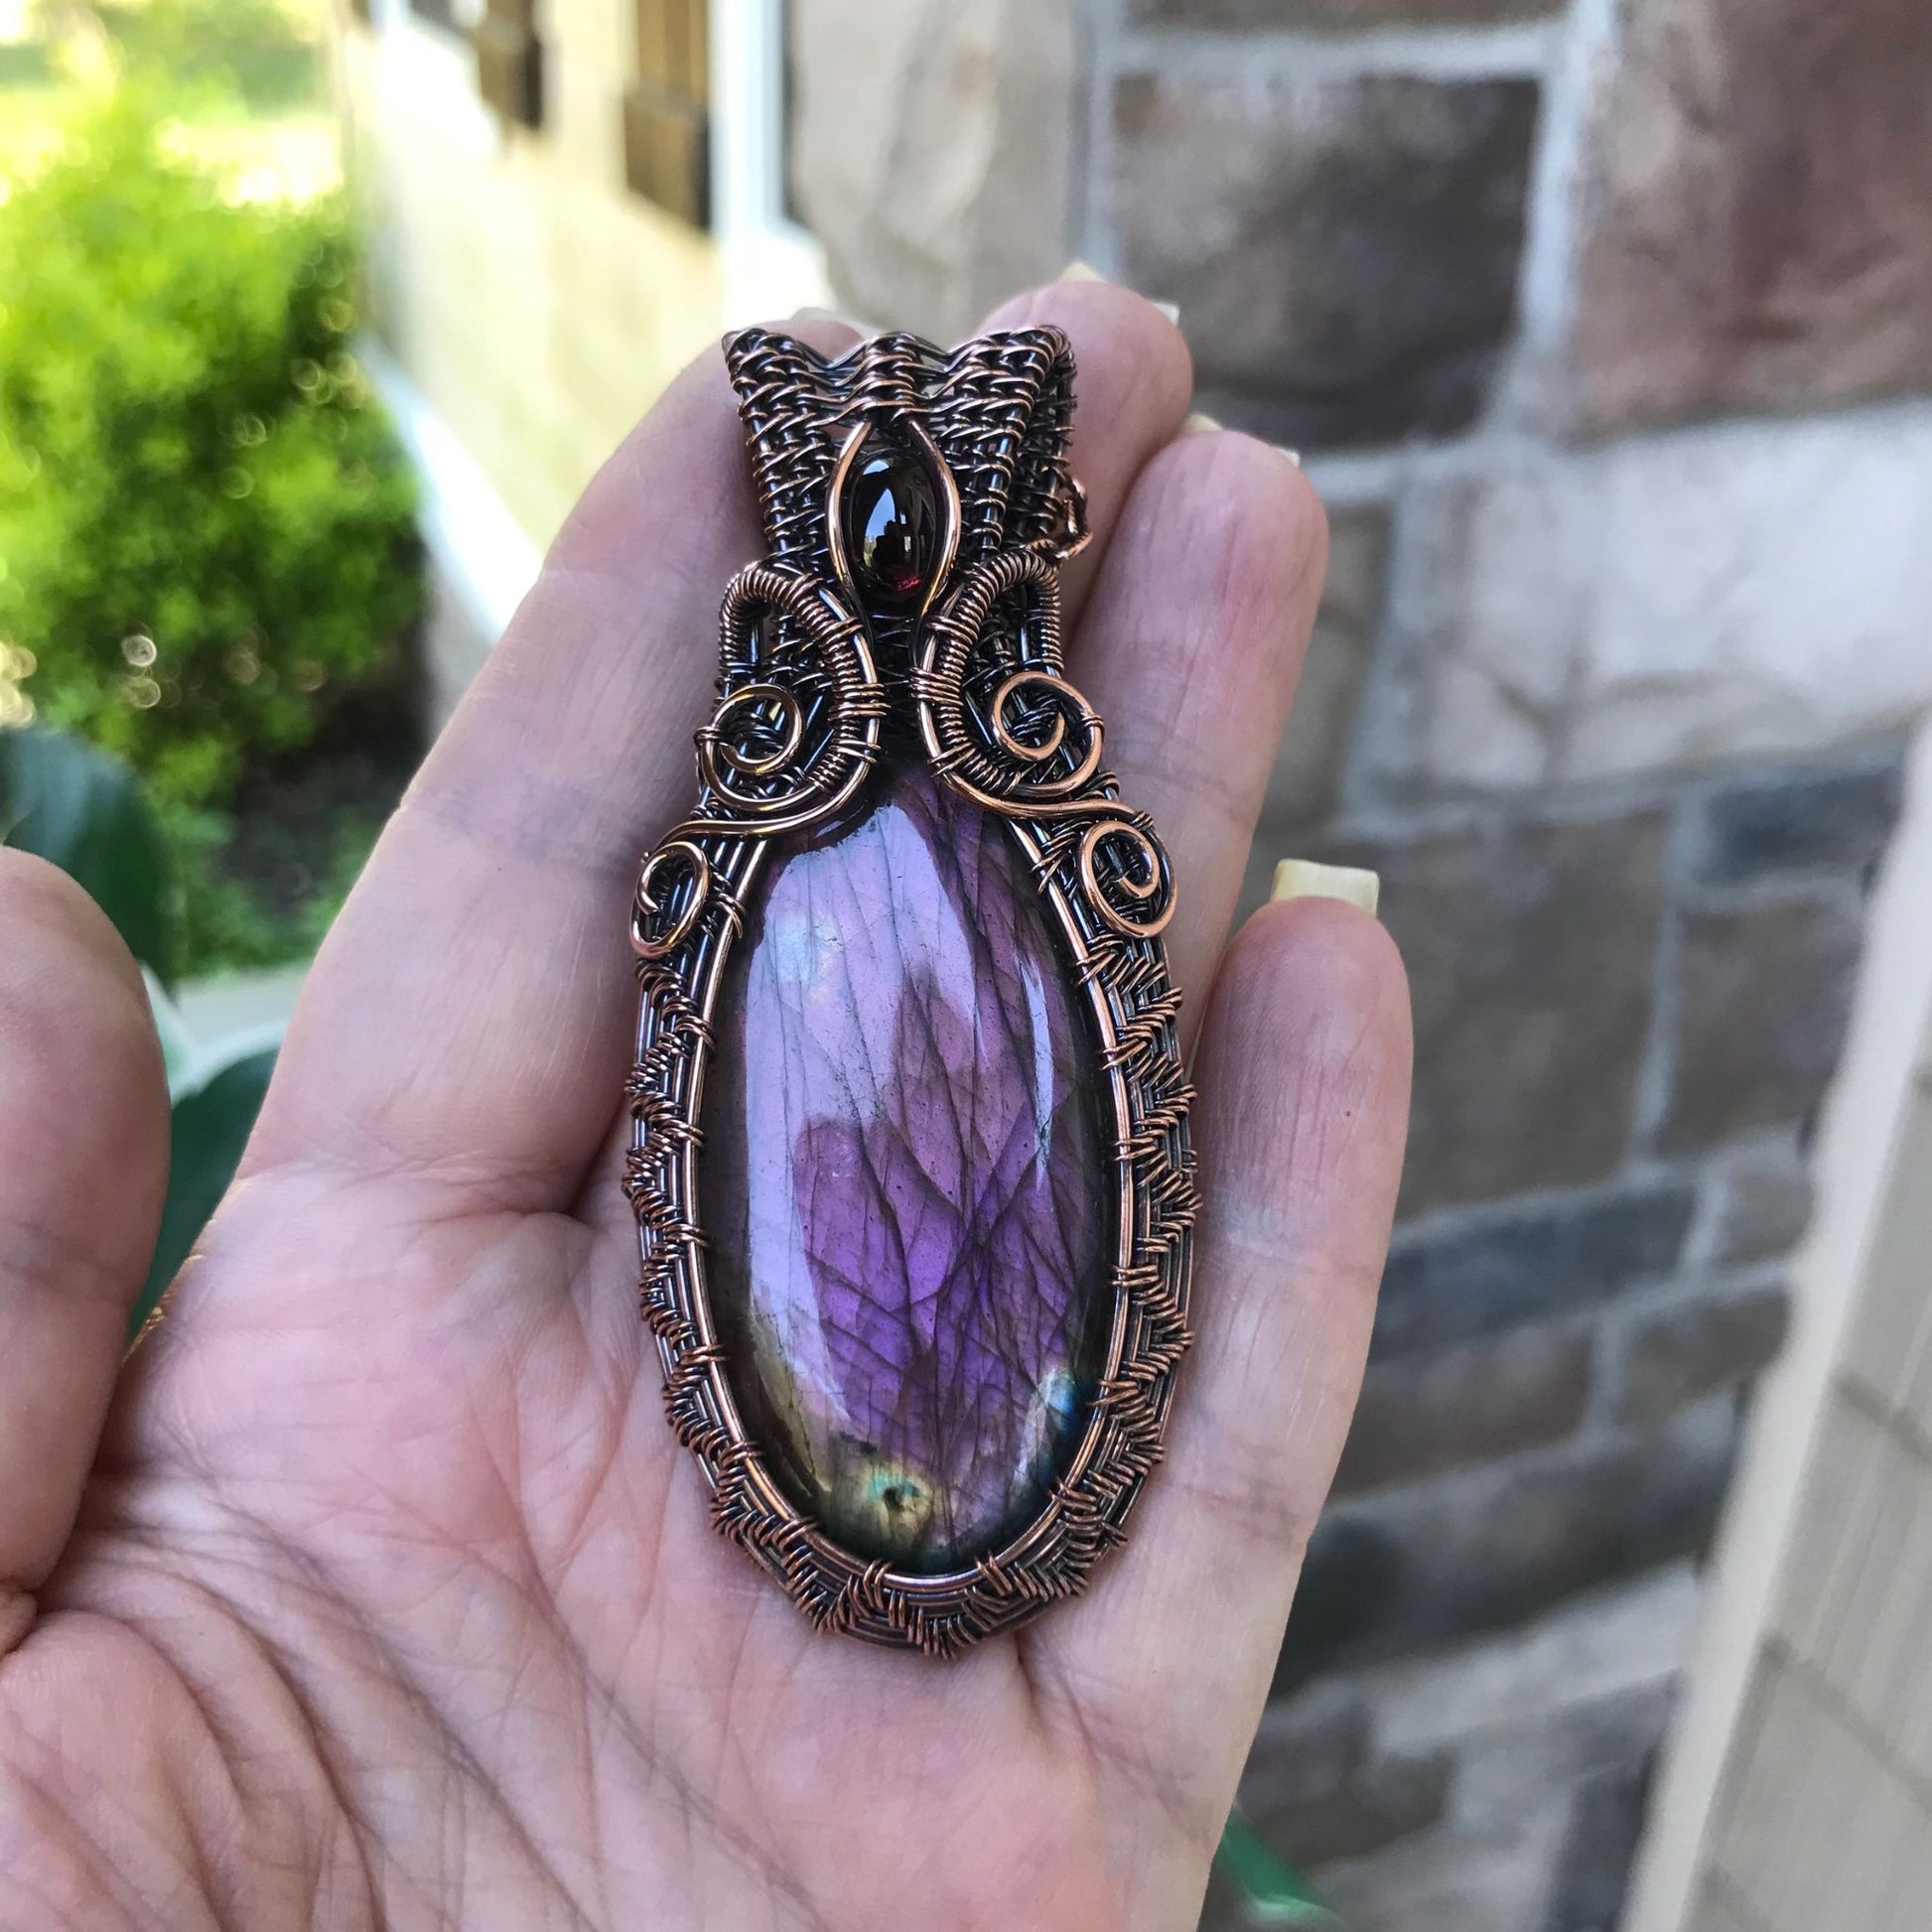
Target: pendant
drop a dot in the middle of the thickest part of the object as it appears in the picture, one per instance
(910, 1149)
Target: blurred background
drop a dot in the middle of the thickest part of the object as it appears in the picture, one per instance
(1606, 328)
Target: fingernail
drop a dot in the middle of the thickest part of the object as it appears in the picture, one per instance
(1304, 879)
(1172, 310)
(812, 314)
(1198, 424)
(1294, 456)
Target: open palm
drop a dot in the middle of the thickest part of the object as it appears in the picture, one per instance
(378, 1593)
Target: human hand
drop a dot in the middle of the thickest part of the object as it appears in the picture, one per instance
(383, 1595)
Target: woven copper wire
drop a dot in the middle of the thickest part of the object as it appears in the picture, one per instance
(978, 679)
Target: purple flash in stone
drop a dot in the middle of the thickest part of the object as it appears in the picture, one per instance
(903, 1181)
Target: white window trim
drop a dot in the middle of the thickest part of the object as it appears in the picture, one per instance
(438, 73)
(771, 266)
(475, 544)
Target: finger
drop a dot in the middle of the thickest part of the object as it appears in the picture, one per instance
(84, 1162)
(1305, 1086)
(467, 1015)
(1133, 379)
(1191, 649)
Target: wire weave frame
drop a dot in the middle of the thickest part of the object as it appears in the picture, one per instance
(809, 683)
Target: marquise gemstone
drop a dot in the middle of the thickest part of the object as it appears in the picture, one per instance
(891, 523)
(905, 1183)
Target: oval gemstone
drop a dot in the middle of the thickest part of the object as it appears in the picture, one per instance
(905, 1184)
(891, 523)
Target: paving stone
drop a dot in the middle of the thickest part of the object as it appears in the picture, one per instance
(1756, 210)
(1488, 1548)
(1518, 1264)
(1764, 993)
(1798, 821)
(1343, 251)
(1682, 1351)
(1420, 1416)
(1531, 946)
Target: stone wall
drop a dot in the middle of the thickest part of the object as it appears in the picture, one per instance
(1612, 684)
(1629, 1001)
(1495, 1782)
(925, 228)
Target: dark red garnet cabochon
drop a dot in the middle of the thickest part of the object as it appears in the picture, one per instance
(889, 521)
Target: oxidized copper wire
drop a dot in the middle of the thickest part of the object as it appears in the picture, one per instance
(808, 678)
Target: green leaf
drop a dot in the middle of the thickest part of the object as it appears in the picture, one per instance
(210, 1127)
(1275, 1893)
(82, 811)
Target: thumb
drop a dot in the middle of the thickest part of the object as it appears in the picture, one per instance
(83, 1156)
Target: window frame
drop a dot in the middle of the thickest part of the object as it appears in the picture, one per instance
(773, 265)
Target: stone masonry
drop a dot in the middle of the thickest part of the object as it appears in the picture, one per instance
(1605, 331)
(1757, 198)
(1399, 334)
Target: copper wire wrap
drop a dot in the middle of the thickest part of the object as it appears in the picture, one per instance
(975, 677)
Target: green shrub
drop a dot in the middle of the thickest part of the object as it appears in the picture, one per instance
(204, 520)
(263, 54)
(231, 921)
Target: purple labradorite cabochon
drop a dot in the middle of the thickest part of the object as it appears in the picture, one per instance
(906, 1182)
